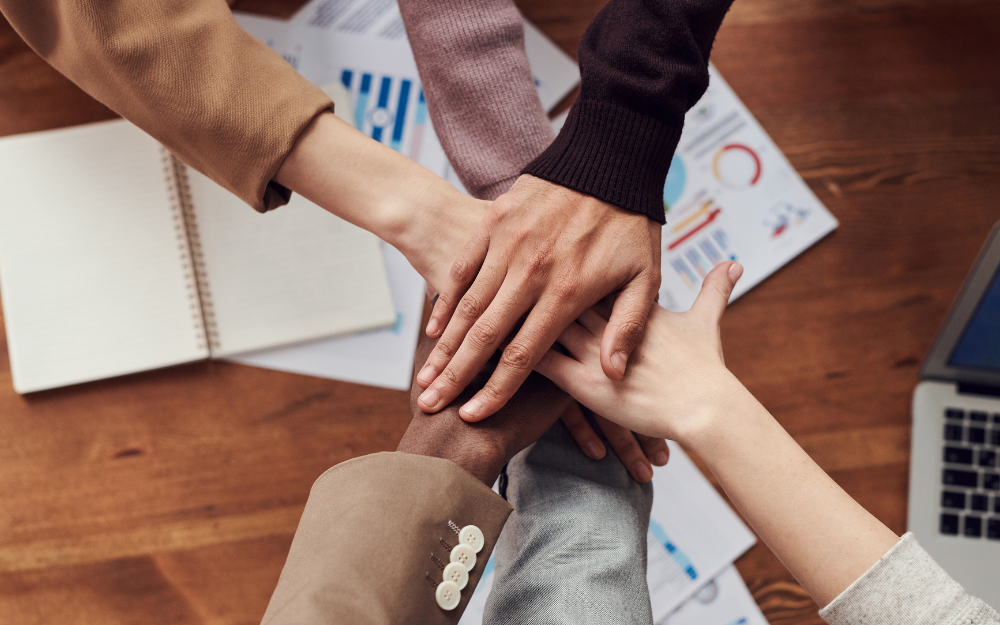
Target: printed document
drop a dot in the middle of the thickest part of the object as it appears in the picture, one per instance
(723, 601)
(730, 194)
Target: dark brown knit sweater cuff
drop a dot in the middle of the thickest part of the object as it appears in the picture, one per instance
(611, 153)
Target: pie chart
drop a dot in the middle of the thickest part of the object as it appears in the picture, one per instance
(674, 186)
(736, 166)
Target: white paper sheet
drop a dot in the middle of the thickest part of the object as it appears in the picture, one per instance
(731, 195)
(723, 601)
(379, 358)
(693, 537)
(693, 533)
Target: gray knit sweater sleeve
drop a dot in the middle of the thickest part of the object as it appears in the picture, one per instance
(907, 587)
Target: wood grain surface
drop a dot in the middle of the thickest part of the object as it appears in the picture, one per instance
(172, 496)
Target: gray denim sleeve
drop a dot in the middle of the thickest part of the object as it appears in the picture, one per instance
(573, 551)
(906, 586)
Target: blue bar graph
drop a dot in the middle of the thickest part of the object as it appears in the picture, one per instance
(362, 105)
(678, 556)
(395, 115)
(404, 100)
(380, 116)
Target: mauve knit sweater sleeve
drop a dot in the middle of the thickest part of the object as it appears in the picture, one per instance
(643, 63)
(479, 88)
(187, 74)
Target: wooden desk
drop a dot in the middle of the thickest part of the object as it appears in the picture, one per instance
(172, 496)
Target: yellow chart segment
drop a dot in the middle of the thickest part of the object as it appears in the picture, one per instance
(684, 223)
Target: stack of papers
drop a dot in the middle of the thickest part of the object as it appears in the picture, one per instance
(361, 46)
(694, 537)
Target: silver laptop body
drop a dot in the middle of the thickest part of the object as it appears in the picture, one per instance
(954, 508)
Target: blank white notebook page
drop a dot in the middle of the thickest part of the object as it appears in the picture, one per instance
(293, 274)
(92, 276)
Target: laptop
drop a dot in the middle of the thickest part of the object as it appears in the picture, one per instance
(955, 457)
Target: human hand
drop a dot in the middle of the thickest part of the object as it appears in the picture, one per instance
(547, 252)
(484, 448)
(636, 451)
(677, 375)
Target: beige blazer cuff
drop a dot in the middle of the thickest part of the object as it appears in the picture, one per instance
(372, 540)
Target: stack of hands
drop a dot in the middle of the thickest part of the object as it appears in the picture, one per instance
(675, 376)
(547, 298)
(512, 275)
(539, 258)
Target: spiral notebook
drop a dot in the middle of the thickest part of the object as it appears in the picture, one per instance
(116, 258)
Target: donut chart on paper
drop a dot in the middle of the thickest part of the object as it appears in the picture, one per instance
(736, 166)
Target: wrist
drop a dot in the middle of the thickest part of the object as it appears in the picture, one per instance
(432, 227)
(722, 413)
(434, 436)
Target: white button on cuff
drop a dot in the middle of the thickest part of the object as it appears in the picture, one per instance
(464, 555)
(455, 572)
(448, 595)
(473, 537)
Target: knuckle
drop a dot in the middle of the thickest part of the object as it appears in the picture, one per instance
(564, 288)
(628, 447)
(443, 350)
(448, 377)
(630, 333)
(516, 356)
(539, 261)
(444, 302)
(492, 392)
(461, 270)
(484, 334)
(470, 307)
(580, 431)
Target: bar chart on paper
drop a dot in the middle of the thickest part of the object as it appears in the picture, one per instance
(393, 111)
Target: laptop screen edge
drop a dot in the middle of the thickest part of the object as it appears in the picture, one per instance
(936, 365)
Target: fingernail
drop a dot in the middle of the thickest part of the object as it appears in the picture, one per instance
(643, 472)
(472, 408)
(595, 450)
(426, 375)
(618, 361)
(429, 398)
(735, 271)
(432, 328)
(660, 458)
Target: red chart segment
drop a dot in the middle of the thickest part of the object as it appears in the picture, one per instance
(737, 166)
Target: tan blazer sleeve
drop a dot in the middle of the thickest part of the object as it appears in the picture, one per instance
(187, 74)
(372, 539)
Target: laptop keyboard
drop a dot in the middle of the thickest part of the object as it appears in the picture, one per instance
(970, 499)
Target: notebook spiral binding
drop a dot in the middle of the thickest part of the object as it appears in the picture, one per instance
(191, 252)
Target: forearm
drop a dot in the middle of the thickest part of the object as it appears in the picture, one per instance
(488, 133)
(382, 191)
(824, 537)
(187, 74)
(643, 64)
